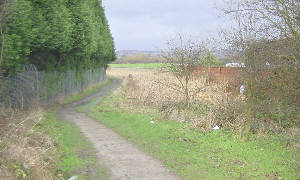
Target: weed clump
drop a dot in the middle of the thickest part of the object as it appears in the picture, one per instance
(25, 152)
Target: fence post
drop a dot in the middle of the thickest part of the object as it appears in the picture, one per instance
(37, 87)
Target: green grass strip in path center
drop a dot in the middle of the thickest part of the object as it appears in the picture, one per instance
(87, 92)
(76, 153)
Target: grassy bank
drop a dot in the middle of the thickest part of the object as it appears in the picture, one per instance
(85, 93)
(39, 145)
(76, 154)
(139, 66)
(199, 155)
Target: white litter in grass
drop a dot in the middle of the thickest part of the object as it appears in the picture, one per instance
(152, 122)
(242, 89)
(216, 127)
(73, 178)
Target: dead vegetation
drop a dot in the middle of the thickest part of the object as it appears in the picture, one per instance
(25, 152)
(266, 38)
(151, 88)
(218, 103)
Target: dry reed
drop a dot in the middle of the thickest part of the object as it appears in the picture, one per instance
(151, 87)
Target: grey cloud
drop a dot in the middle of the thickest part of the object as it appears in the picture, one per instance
(147, 24)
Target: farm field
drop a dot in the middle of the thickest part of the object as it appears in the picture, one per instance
(189, 146)
(142, 65)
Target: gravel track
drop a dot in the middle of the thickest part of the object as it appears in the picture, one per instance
(122, 159)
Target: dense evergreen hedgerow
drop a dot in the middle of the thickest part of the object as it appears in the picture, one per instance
(56, 34)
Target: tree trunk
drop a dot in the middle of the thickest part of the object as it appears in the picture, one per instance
(250, 109)
(186, 91)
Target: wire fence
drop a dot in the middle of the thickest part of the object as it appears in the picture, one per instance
(30, 86)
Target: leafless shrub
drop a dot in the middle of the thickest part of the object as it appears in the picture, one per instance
(131, 82)
(182, 57)
(131, 86)
(266, 37)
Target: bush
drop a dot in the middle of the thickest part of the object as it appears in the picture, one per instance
(228, 113)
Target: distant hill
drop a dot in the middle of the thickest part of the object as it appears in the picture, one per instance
(136, 56)
(123, 53)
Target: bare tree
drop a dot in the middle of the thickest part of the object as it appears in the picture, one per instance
(266, 19)
(265, 33)
(182, 57)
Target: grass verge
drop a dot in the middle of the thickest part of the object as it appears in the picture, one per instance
(77, 156)
(139, 66)
(86, 92)
(200, 155)
(83, 108)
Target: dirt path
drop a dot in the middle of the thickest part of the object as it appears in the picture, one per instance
(122, 159)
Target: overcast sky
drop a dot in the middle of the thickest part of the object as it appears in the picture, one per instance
(148, 24)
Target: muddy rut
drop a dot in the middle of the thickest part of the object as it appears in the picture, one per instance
(122, 159)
